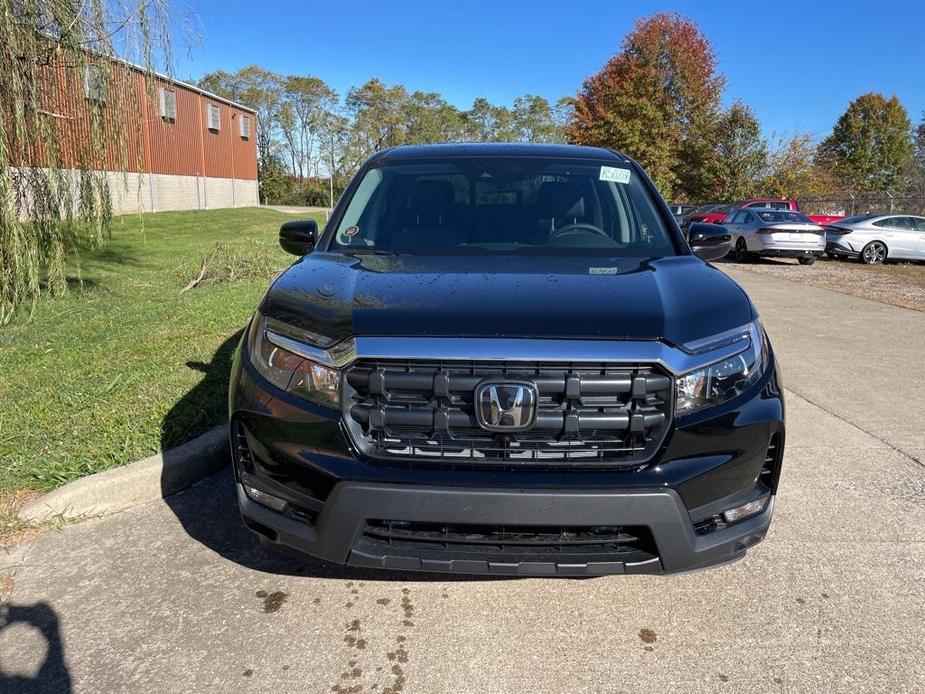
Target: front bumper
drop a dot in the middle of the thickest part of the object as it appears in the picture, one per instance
(840, 249)
(336, 532)
(710, 461)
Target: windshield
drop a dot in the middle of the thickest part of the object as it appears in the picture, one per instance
(782, 216)
(481, 205)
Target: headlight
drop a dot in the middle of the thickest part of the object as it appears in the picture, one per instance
(297, 374)
(726, 378)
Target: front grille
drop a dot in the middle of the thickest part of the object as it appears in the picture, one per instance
(587, 414)
(500, 543)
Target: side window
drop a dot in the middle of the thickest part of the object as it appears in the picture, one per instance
(168, 104)
(780, 205)
(96, 84)
(919, 223)
(740, 217)
(893, 223)
(214, 117)
(757, 204)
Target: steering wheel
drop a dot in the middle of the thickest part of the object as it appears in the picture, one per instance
(577, 228)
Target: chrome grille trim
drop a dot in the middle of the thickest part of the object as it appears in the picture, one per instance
(674, 360)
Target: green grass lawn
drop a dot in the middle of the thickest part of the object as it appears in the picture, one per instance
(126, 364)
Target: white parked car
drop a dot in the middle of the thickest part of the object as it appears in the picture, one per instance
(775, 233)
(874, 238)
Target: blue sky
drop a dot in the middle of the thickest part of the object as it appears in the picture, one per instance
(796, 64)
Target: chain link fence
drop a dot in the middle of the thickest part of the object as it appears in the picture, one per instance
(860, 203)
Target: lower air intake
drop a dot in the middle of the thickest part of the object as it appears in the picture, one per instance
(508, 543)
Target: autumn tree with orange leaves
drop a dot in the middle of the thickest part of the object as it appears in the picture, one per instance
(657, 100)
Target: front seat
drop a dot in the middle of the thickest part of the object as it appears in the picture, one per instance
(428, 218)
(561, 203)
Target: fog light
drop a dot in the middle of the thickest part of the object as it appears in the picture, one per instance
(745, 510)
(263, 498)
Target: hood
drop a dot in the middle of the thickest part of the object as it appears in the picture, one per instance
(678, 299)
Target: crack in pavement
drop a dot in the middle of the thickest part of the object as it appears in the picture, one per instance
(13, 569)
(888, 444)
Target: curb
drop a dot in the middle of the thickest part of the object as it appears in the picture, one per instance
(123, 487)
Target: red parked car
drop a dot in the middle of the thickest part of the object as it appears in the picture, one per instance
(713, 213)
(788, 204)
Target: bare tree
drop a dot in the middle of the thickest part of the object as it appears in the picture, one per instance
(309, 99)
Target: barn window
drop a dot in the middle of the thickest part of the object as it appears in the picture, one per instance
(245, 127)
(96, 86)
(215, 117)
(168, 104)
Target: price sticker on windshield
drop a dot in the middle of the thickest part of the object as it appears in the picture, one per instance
(612, 173)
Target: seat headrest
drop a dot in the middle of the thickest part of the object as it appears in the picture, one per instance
(561, 200)
(429, 198)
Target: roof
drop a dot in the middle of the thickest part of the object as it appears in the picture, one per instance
(186, 85)
(166, 78)
(209, 95)
(498, 149)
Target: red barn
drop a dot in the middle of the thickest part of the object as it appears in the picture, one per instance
(183, 148)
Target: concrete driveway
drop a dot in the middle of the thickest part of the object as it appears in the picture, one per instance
(176, 597)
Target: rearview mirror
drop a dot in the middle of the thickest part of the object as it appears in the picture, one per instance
(298, 236)
(709, 241)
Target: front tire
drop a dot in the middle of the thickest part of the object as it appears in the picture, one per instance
(807, 260)
(873, 253)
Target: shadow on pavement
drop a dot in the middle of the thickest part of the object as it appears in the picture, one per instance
(208, 510)
(52, 675)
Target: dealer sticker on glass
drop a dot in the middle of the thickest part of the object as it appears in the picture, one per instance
(612, 173)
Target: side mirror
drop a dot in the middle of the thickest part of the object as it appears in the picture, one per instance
(298, 237)
(709, 241)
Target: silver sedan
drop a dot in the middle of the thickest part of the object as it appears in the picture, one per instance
(874, 238)
(775, 233)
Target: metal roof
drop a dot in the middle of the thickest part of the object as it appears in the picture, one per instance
(186, 85)
(207, 94)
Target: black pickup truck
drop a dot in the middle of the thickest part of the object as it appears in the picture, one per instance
(506, 359)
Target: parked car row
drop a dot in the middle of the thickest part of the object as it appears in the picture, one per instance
(716, 212)
(774, 227)
(764, 227)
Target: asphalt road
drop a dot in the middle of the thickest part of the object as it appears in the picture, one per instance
(176, 597)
